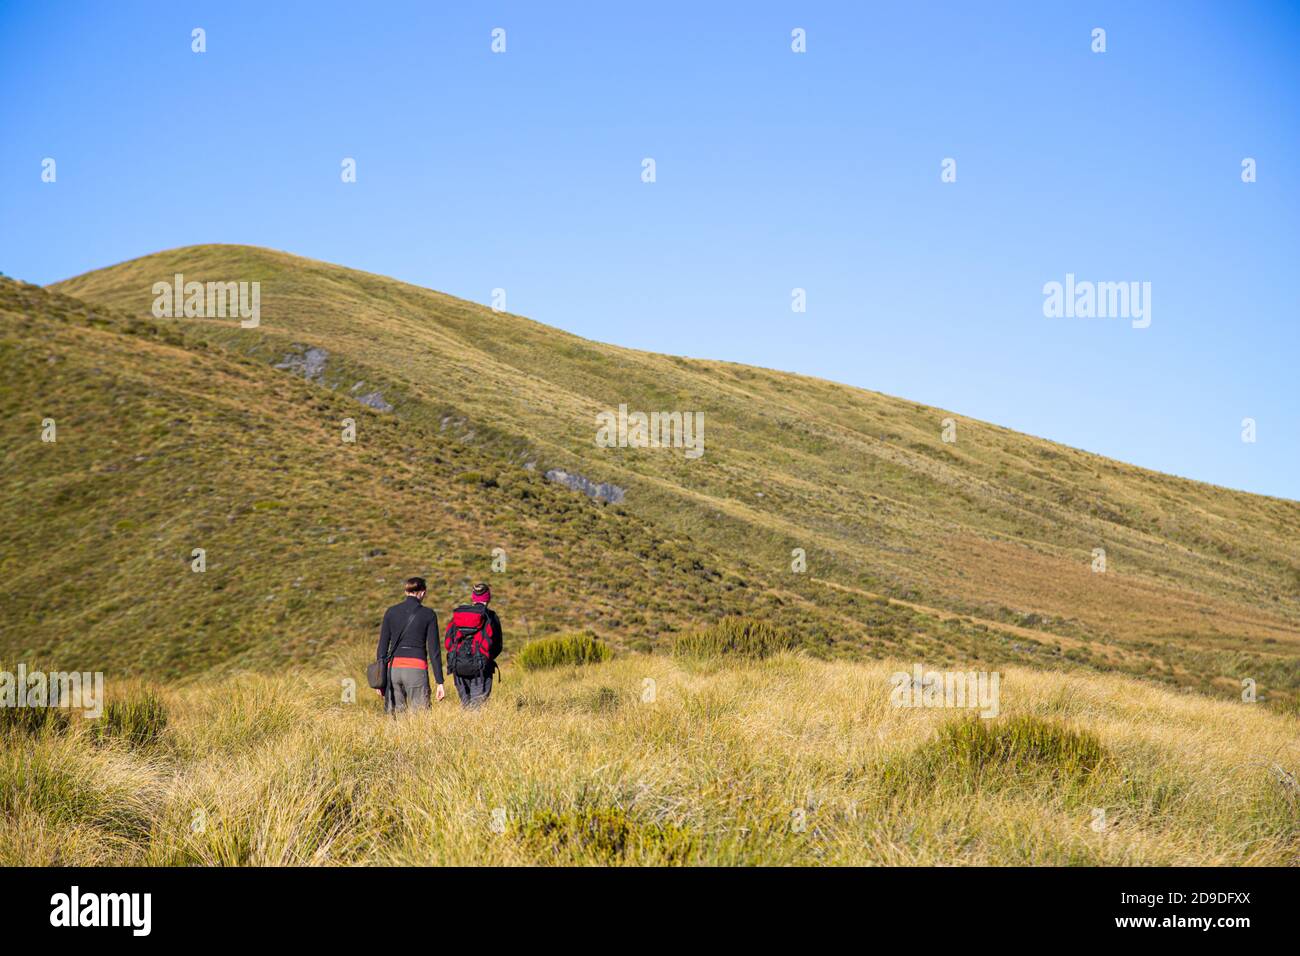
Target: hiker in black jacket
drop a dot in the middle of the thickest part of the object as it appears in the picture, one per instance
(473, 643)
(409, 635)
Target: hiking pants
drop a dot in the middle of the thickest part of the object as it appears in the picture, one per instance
(473, 691)
(408, 689)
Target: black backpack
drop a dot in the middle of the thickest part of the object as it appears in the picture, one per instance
(468, 644)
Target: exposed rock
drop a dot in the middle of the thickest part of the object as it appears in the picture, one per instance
(601, 491)
(310, 363)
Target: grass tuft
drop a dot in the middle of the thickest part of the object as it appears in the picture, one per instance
(137, 718)
(976, 754)
(1021, 745)
(603, 836)
(32, 721)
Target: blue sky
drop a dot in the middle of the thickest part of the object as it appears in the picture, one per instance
(775, 170)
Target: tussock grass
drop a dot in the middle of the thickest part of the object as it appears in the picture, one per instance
(30, 721)
(782, 760)
(1023, 744)
(604, 835)
(88, 806)
(574, 648)
(972, 754)
(734, 637)
(137, 718)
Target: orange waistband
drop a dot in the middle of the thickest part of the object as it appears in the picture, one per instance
(411, 662)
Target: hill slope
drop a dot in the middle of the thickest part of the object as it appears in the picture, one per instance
(986, 542)
(165, 444)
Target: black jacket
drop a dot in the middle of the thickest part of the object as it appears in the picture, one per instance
(419, 640)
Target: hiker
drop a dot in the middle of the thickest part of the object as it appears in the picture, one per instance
(473, 643)
(409, 637)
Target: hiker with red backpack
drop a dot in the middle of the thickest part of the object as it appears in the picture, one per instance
(473, 642)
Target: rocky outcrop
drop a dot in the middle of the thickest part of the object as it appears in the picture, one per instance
(310, 363)
(601, 491)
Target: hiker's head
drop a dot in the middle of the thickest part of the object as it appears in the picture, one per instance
(416, 588)
(482, 594)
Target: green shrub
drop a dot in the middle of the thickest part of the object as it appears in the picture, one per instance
(734, 637)
(137, 718)
(575, 648)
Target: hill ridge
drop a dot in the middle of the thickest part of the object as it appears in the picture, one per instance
(996, 527)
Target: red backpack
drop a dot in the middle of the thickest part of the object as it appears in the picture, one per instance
(469, 641)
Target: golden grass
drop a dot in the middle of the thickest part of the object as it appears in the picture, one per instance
(647, 760)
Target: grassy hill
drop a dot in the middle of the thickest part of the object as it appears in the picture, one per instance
(976, 550)
(181, 434)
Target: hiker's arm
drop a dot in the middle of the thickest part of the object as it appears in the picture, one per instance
(382, 647)
(434, 648)
(495, 638)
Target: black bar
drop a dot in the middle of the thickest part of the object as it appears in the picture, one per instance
(330, 905)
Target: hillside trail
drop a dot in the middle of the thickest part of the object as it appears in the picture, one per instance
(1059, 643)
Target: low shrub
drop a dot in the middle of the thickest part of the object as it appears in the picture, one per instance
(574, 648)
(734, 637)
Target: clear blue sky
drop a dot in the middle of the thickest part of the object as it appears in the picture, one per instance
(775, 170)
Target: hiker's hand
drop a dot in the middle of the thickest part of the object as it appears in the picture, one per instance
(379, 692)
(441, 692)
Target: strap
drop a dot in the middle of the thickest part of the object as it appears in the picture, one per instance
(392, 644)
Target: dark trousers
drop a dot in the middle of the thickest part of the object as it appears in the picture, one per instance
(408, 688)
(473, 691)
